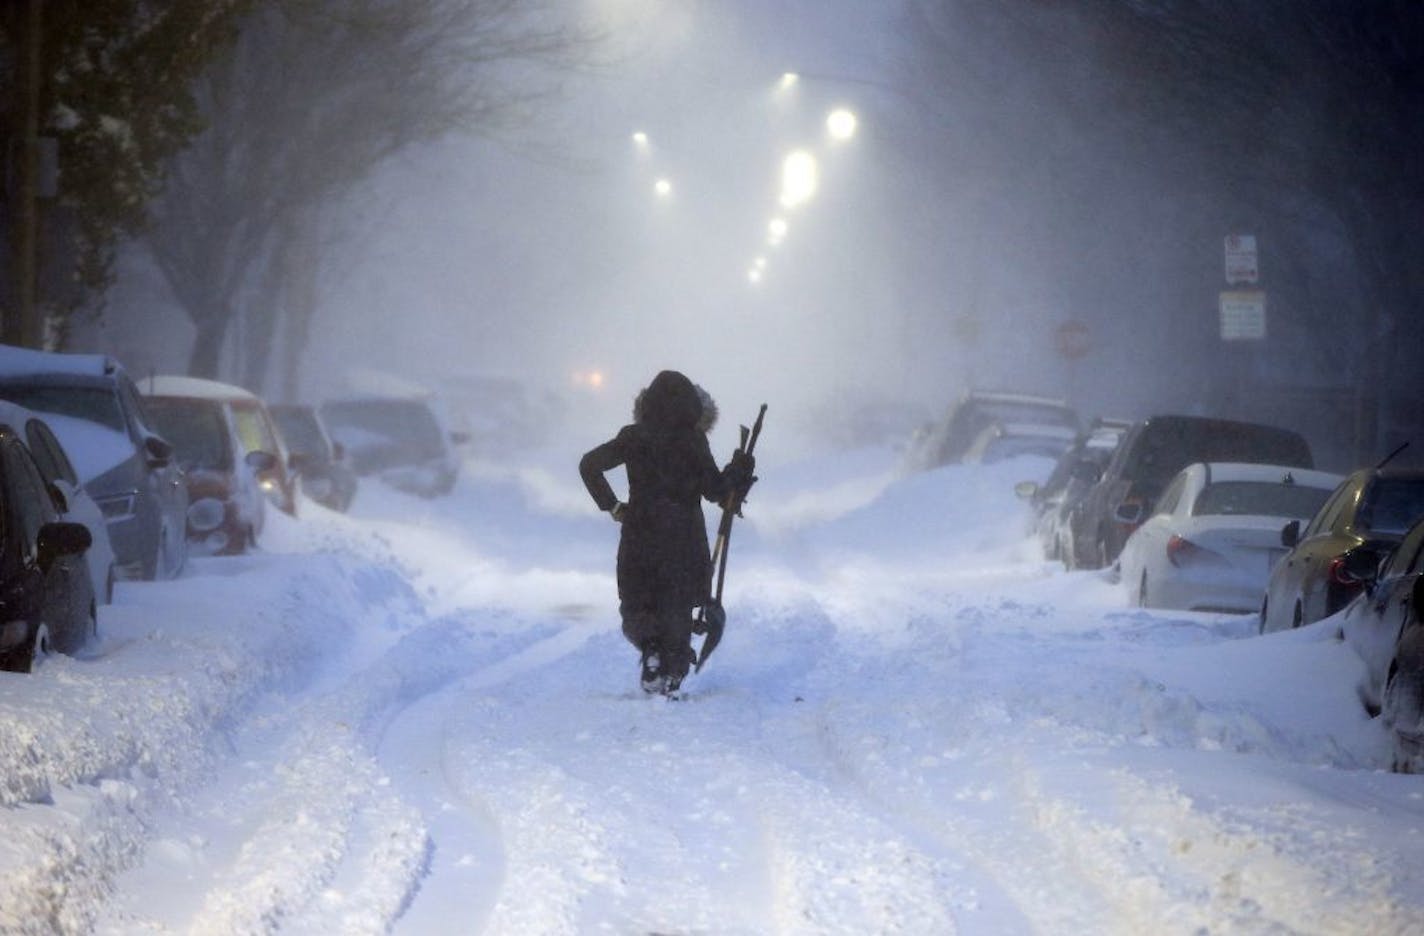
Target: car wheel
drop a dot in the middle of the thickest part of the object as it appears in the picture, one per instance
(25, 658)
(1402, 704)
(1297, 616)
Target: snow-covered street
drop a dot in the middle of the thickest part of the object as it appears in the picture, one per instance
(422, 718)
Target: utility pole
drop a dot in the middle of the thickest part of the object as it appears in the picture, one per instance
(23, 327)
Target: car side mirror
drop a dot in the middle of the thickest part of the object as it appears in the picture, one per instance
(1025, 490)
(1128, 513)
(260, 461)
(158, 450)
(1290, 534)
(61, 539)
(1086, 471)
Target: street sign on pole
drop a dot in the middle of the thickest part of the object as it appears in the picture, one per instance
(1242, 268)
(1243, 315)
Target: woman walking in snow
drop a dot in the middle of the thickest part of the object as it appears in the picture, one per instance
(664, 564)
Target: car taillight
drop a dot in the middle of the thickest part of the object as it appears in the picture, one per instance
(1180, 550)
(1338, 574)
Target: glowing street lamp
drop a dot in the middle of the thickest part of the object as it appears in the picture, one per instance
(662, 188)
(640, 140)
(788, 80)
(841, 124)
(799, 177)
(776, 230)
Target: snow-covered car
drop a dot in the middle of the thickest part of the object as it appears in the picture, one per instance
(398, 439)
(1376, 624)
(226, 501)
(1215, 534)
(47, 598)
(320, 461)
(124, 463)
(73, 503)
(1009, 440)
(1149, 456)
(1076, 471)
(1361, 523)
(946, 440)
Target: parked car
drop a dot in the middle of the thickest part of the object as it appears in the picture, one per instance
(72, 502)
(320, 461)
(1002, 441)
(1385, 626)
(226, 500)
(946, 441)
(1150, 454)
(47, 599)
(1076, 471)
(125, 465)
(1215, 534)
(398, 439)
(1361, 523)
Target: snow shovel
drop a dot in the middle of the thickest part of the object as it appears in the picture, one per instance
(711, 617)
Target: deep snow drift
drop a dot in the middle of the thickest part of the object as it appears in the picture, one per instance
(422, 718)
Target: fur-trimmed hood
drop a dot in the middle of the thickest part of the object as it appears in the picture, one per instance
(672, 400)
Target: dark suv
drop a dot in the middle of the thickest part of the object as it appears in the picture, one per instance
(1151, 453)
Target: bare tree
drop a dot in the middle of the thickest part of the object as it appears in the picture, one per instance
(316, 96)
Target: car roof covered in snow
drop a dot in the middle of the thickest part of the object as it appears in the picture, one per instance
(197, 388)
(1244, 471)
(27, 362)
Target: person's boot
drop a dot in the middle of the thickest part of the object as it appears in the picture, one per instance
(676, 662)
(653, 679)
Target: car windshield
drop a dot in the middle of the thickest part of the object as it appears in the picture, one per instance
(299, 428)
(1391, 505)
(1026, 411)
(95, 404)
(1260, 499)
(373, 424)
(195, 429)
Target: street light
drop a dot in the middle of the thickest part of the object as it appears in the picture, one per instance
(799, 177)
(841, 124)
(663, 188)
(640, 140)
(776, 230)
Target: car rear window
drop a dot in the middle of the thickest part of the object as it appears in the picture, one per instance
(195, 429)
(300, 430)
(1391, 505)
(1260, 499)
(1167, 446)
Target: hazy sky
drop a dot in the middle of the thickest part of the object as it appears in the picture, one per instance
(472, 257)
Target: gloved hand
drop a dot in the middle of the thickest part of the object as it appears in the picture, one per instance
(738, 474)
(619, 509)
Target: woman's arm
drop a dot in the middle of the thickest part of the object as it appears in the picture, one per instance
(594, 463)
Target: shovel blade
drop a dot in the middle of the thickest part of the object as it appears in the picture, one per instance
(712, 621)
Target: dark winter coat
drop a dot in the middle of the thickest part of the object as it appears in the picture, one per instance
(663, 557)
